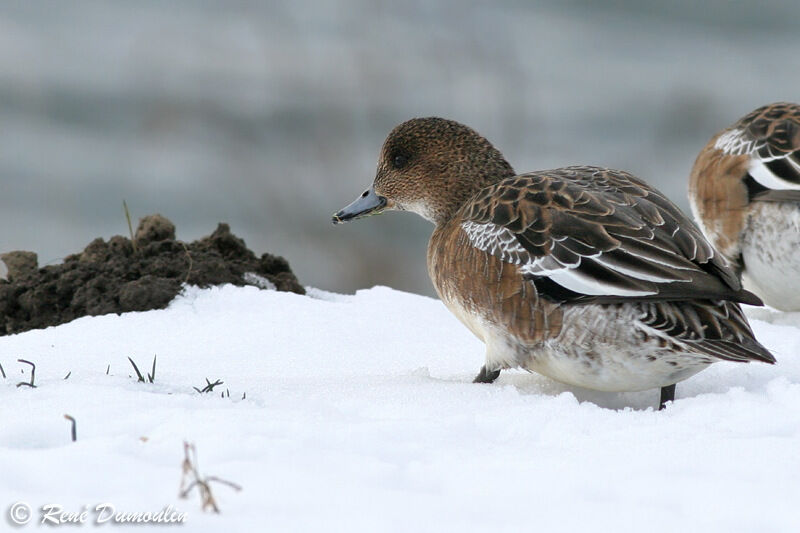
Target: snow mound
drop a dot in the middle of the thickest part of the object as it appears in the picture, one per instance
(357, 413)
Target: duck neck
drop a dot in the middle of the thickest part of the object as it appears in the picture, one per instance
(463, 187)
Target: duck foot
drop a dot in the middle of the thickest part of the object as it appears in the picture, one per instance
(667, 395)
(488, 376)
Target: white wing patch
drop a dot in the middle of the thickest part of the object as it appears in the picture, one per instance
(576, 281)
(500, 242)
(737, 142)
(762, 174)
(494, 239)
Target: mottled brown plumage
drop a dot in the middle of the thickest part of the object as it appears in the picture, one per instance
(570, 214)
(507, 298)
(584, 274)
(437, 153)
(744, 190)
(722, 199)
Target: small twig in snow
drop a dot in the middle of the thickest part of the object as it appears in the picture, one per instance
(191, 478)
(74, 431)
(33, 374)
(152, 375)
(231, 484)
(136, 368)
(209, 386)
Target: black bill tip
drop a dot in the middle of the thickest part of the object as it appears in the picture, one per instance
(369, 203)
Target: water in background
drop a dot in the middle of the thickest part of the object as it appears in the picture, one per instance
(270, 115)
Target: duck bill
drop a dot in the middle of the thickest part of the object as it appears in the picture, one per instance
(365, 205)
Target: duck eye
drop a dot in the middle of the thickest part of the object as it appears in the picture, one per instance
(399, 161)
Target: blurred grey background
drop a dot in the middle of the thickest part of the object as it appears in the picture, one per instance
(270, 115)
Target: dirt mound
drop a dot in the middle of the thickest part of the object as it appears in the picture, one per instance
(118, 275)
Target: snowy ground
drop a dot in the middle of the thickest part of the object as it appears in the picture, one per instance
(360, 416)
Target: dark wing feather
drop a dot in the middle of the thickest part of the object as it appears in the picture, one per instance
(594, 235)
(770, 136)
(779, 196)
(715, 328)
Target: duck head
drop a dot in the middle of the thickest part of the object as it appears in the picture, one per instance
(429, 166)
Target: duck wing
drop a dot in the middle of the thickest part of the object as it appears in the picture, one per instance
(596, 235)
(770, 138)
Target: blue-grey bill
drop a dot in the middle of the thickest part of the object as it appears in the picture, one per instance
(367, 204)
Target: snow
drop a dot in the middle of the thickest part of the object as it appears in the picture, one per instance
(360, 415)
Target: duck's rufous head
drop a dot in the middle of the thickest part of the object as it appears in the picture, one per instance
(430, 166)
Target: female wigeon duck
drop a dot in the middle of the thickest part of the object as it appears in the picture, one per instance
(745, 193)
(586, 275)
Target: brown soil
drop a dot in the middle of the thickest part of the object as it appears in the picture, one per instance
(118, 275)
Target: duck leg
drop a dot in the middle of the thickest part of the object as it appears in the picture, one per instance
(488, 376)
(667, 395)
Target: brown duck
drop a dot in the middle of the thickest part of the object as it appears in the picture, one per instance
(745, 194)
(586, 275)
